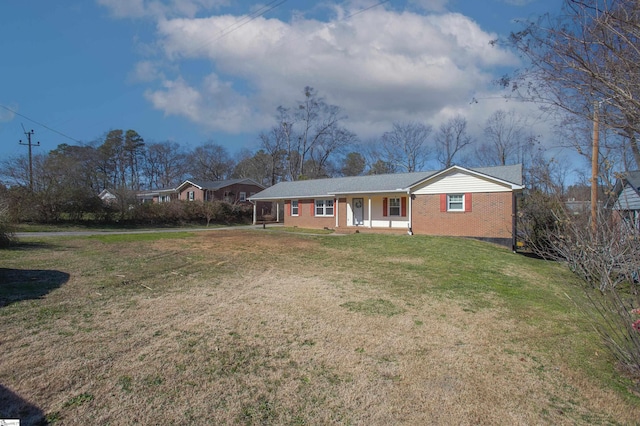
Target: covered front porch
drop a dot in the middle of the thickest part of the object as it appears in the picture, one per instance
(388, 211)
(374, 211)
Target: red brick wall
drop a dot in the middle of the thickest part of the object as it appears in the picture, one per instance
(219, 194)
(235, 190)
(198, 193)
(306, 217)
(490, 217)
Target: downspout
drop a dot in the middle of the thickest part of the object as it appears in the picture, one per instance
(514, 222)
(410, 225)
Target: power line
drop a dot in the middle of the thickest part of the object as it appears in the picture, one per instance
(245, 20)
(223, 33)
(365, 9)
(40, 124)
(269, 7)
(251, 17)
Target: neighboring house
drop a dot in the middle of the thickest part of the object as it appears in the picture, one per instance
(625, 199)
(157, 196)
(107, 196)
(576, 207)
(231, 191)
(457, 201)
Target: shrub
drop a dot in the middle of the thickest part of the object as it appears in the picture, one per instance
(6, 234)
(608, 262)
(540, 218)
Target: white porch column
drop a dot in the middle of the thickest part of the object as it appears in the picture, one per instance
(336, 205)
(255, 213)
(370, 218)
(278, 211)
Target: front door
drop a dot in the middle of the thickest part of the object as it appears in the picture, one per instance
(358, 211)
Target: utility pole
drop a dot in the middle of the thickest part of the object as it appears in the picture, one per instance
(594, 168)
(30, 155)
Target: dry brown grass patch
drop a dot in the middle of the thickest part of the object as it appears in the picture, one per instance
(261, 340)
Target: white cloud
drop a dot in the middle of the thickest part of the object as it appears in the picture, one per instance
(214, 105)
(145, 72)
(177, 98)
(379, 66)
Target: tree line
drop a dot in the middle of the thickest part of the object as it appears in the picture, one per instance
(308, 140)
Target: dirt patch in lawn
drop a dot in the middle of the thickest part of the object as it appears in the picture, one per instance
(259, 339)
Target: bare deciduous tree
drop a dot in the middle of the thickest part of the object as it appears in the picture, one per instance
(406, 146)
(586, 61)
(275, 144)
(164, 165)
(507, 140)
(312, 133)
(451, 139)
(262, 167)
(210, 162)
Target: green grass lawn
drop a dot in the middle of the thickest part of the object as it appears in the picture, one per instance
(101, 227)
(265, 327)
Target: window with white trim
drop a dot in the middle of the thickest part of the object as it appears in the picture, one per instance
(324, 207)
(394, 206)
(455, 202)
(191, 195)
(243, 197)
(294, 208)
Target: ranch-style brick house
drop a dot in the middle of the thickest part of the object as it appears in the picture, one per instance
(466, 202)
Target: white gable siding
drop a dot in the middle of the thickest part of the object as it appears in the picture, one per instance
(628, 199)
(460, 182)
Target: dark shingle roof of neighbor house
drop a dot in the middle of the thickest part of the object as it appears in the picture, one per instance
(398, 182)
(217, 184)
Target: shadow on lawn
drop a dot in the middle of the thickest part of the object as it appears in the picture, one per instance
(13, 406)
(23, 284)
(24, 246)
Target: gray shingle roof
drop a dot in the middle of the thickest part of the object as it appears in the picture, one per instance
(633, 178)
(626, 192)
(399, 182)
(511, 174)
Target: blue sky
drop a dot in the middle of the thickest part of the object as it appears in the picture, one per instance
(193, 71)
